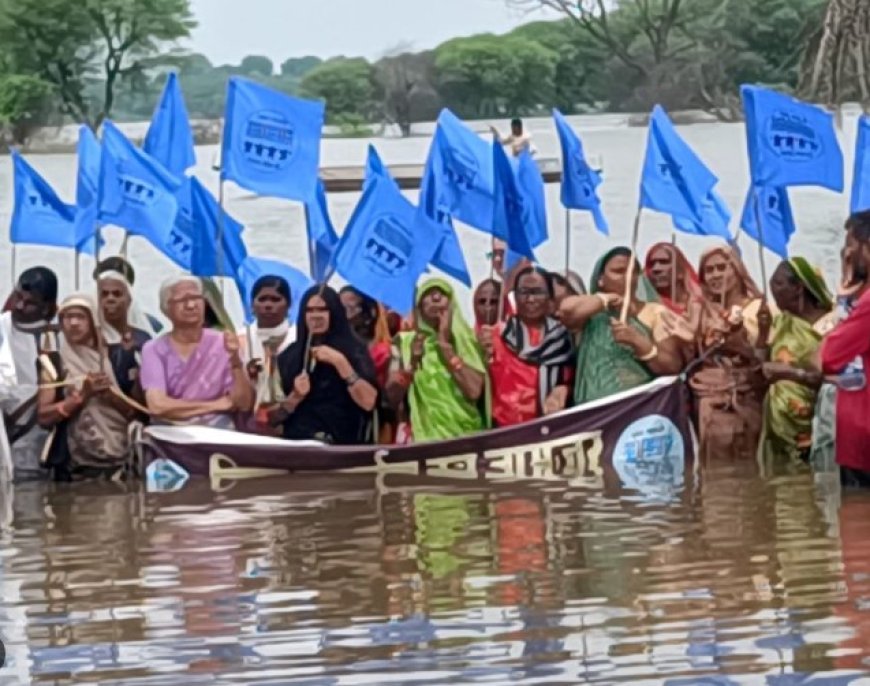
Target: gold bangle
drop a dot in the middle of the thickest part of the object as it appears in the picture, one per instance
(651, 355)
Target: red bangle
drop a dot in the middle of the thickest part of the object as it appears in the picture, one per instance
(405, 378)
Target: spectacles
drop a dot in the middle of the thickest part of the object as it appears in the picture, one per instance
(529, 293)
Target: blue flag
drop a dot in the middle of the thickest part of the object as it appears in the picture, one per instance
(271, 142)
(716, 218)
(135, 190)
(861, 177)
(375, 167)
(207, 224)
(777, 221)
(433, 217)
(674, 181)
(790, 142)
(579, 180)
(531, 185)
(512, 209)
(252, 268)
(39, 216)
(322, 239)
(87, 184)
(382, 251)
(462, 170)
(170, 139)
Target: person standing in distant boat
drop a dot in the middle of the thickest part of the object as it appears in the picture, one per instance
(519, 140)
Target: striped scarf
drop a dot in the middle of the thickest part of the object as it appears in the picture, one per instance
(554, 351)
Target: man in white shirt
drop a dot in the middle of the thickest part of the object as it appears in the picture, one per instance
(31, 308)
(519, 141)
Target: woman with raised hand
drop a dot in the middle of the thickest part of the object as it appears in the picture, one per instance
(327, 376)
(439, 369)
(531, 355)
(89, 416)
(615, 356)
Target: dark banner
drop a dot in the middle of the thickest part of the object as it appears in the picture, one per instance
(643, 435)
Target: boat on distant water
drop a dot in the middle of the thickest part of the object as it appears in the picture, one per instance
(643, 434)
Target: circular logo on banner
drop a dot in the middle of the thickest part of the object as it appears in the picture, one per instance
(268, 141)
(388, 247)
(650, 456)
(791, 138)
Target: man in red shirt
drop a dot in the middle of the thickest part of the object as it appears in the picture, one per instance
(846, 353)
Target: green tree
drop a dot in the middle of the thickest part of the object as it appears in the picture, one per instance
(24, 104)
(490, 74)
(256, 65)
(299, 66)
(73, 43)
(346, 85)
(406, 81)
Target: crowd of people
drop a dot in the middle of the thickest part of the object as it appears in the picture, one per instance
(777, 381)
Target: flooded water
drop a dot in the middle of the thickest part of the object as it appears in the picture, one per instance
(349, 580)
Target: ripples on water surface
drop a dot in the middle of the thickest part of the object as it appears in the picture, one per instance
(348, 580)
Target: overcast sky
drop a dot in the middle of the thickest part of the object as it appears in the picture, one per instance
(230, 29)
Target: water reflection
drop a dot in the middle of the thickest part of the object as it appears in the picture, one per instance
(732, 579)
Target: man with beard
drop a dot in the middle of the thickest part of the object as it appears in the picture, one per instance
(32, 306)
(846, 353)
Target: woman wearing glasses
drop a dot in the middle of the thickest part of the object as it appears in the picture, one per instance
(193, 374)
(531, 354)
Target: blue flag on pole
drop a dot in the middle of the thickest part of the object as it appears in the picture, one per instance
(512, 209)
(716, 218)
(791, 143)
(777, 220)
(87, 183)
(135, 190)
(322, 239)
(170, 139)
(39, 216)
(674, 181)
(252, 268)
(861, 177)
(579, 180)
(271, 142)
(382, 252)
(206, 259)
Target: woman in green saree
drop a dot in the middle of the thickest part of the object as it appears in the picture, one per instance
(438, 369)
(806, 316)
(612, 356)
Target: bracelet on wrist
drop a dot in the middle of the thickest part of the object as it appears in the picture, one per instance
(651, 355)
(351, 379)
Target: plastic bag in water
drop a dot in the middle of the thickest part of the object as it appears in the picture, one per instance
(165, 476)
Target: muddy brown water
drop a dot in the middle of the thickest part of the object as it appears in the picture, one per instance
(732, 579)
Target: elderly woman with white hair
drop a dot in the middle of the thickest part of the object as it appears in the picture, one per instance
(193, 374)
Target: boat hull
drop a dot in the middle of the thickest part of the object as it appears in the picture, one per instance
(644, 430)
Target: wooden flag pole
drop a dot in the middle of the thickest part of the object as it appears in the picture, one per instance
(125, 244)
(674, 268)
(567, 242)
(758, 223)
(629, 275)
(78, 269)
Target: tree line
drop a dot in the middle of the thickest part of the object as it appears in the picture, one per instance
(84, 60)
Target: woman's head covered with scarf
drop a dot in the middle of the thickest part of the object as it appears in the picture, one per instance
(435, 297)
(323, 321)
(610, 273)
(661, 260)
(796, 283)
(722, 271)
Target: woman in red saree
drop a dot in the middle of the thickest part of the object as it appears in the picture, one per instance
(677, 294)
(531, 355)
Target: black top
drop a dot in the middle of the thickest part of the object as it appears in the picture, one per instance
(328, 413)
(126, 360)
